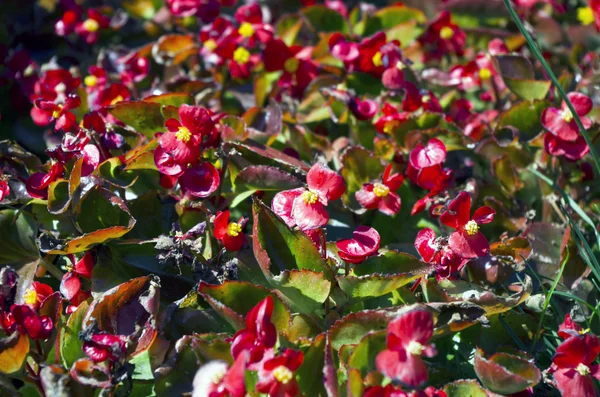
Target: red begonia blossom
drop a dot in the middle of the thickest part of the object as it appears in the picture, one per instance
(229, 233)
(276, 376)
(259, 335)
(364, 243)
(573, 365)
(381, 194)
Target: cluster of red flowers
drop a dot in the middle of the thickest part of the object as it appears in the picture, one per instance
(253, 348)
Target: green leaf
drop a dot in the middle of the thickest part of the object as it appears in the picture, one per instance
(171, 99)
(241, 297)
(388, 18)
(310, 373)
(325, 20)
(277, 247)
(71, 347)
(17, 238)
(144, 117)
(364, 354)
(364, 84)
(392, 262)
(359, 166)
(506, 373)
(524, 117)
(304, 291)
(517, 73)
(58, 196)
(113, 171)
(464, 388)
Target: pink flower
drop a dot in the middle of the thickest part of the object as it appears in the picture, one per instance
(90, 28)
(467, 241)
(437, 252)
(200, 180)
(340, 48)
(382, 194)
(59, 112)
(363, 109)
(305, 207)
(407, 340)
(102, 347)
(364, 243)
(37, 184)
(563, 136)
(4, 188)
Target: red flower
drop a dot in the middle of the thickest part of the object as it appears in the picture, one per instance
(437, 252)
(25, 320)
(112, 95)
(364, 243)
(4, 188)
(200, 180)
(390, 120)
(370, 58)
(181, 144)
(568, 328)
(563, 136)
(242, 63)
(259, 335)
(229, 233)
(102, 347)
(59, 112)
(407, 340)
(467, 241)
(133, 68)
(37, 184)
(66, 24)
(206, 10)
(96, 79)
(573, 366)
(427, 156)
(217, 379)
(340, 48)
(276, 376)
(595, 7)
(363, 110)
(382, 194)
(387, 391)
(89, 30)
(37, 294)
(252, 30)
(298, 68)
(305, 208)
(442, 37)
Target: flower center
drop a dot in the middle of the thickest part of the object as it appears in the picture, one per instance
(446, 33)
(400, 65)
(381, 190)
(90, 80)
(241, 55)
(415, 348)
(485, 74)
(472, 228)
(30, 297)
(246, 30)
(60, 88)
(377, 61)
(234, 229)
(566, 115)
(585, 15)
(309, 197)
(391, 126)
(56, 112)
(283, 375)
(210, 44)
(583, 369)
(183, 134)
(291, 65)
(425, 99)
(91, 25)
(218, 375)
(117, 99)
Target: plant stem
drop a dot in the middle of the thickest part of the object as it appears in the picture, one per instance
(536, 51)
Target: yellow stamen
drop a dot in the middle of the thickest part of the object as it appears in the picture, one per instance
(30, 297)
(391, 126)
(415, 348)
(583, 369)
(291, 65)
(91, 25)
(69, 267)
(246, 30)
(90, 80)
(485, 74)
(118, 99)
(585, 15)
(283, 375)
(241, 55)
(566, 115)
(183, 134)
(381, 190)
(400, 65)
(56, 112)
(234, 229)
(377, 61)
(472, 228)
(446, 33)
(584, 331)
(425, 99)
(309, 197)
(210, 45)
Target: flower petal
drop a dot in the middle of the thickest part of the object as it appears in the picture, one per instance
(483, 215)
(467, 246)
(582, 103)
(309, 216)
(459, 211)
(328, 184)
(283, 202)
(424, 243)
(201, 180)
